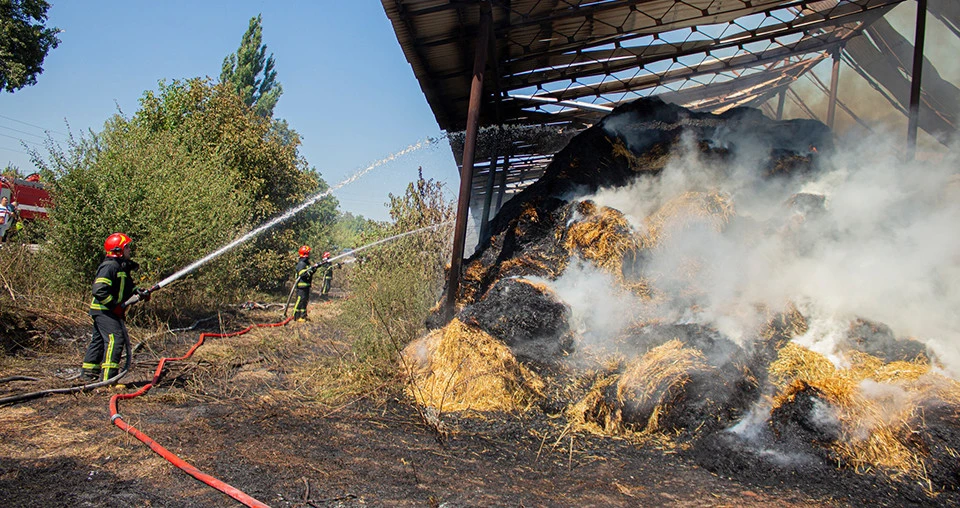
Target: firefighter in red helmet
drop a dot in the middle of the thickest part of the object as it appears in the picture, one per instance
(327, 275)
(113, 285)
(303, 281)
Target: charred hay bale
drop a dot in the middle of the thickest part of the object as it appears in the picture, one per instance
(525, 316)
(651, 385)
(877, 339)
(805, 417)
(461, 367)
(526, 246)
(712, 397)
(874, 417)
(937, 434)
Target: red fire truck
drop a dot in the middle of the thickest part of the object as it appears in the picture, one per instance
(29, 193)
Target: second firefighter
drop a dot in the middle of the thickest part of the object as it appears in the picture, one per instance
(303, 281)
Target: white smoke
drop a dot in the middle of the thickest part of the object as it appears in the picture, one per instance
(885, 249)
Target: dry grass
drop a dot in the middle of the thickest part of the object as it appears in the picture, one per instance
(460, 367)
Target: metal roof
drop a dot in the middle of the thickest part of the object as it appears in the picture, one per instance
(557, 66)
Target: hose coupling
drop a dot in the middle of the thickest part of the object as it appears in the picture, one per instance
(115, 417)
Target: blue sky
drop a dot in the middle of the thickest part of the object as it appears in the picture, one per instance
(348, 90)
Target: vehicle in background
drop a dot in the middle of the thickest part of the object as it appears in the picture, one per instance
(30, 194)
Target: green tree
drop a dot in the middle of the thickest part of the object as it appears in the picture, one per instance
(193, 169)
(250, 73)
(24, 42)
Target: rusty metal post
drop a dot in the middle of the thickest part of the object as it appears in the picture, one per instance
(914, 113)
(469, 148)
(783, 98)
(834, 82)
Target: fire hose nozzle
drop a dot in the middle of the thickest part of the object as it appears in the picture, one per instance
(139, 296)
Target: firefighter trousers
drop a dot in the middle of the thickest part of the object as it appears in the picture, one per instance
(106, 347)
(325, 288)
(300, 308)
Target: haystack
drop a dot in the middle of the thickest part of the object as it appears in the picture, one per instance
(460, 367)
(646, 390)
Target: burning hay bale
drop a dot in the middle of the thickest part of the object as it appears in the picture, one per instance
(603, 235)
(652, 386)
(878, 340)
(460, 367)
(525, 316)
(865, 414)
(713, 208)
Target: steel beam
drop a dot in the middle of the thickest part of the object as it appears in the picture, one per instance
(914, 119)
(783, 98)
(469, 147)
(488, 195)
(834, 82)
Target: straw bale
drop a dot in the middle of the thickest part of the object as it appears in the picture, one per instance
(713, 207)
(595, 412)
(602, 236)
(460, 367)
(872, 434)
(648, 385)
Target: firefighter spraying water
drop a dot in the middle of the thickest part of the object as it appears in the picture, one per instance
(301, 284)
(275, 221)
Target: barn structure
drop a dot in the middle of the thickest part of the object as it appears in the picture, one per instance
(511, 81)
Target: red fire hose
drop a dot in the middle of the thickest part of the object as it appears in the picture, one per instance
(117, 420)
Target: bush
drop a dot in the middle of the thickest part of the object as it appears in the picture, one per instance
(192, 170)
(398, 283)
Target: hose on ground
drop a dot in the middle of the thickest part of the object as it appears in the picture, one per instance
(72, 389)
(87, 387)
(117, 420)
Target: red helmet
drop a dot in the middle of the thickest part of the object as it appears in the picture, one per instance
(326, 255)
(304, 251)
(115, 243)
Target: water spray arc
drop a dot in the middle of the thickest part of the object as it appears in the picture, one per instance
(279, 219)
(359, 249)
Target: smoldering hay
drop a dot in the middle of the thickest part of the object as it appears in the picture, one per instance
(736, 283)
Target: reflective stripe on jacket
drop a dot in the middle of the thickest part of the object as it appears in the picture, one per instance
(113, 284)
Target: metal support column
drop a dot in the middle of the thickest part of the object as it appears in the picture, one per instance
(783, 98)
(834, 82)
(503, 180)
(488, 197)
(469, 148)
(914, 113)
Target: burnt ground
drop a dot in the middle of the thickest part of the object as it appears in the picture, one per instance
(284, 448)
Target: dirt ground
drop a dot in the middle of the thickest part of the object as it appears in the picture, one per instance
(252, 424)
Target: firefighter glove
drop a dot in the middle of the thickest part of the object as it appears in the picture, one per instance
(143, 294)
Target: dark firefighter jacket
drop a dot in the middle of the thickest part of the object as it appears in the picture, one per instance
(113, 285)
(305, 273)
(327, 270)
